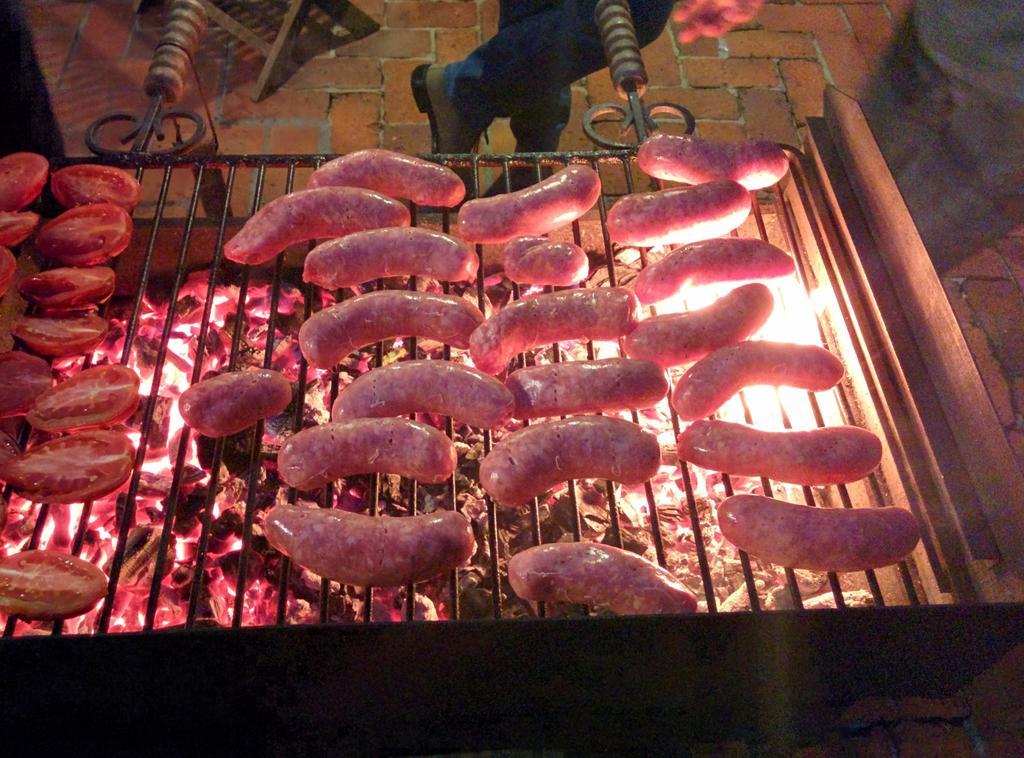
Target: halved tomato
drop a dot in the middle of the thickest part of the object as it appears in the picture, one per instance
(45, 585)
(83, 466)
(60, 336)
(86, 235)
(88, 183)
(23, 378)
(16, 226)
(69, 287)
(99, 396)
(8, 267)
(22, 178)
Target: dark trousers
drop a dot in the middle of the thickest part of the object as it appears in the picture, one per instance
(26, 118)
(524, 71)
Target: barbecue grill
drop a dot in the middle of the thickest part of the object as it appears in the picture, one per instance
(186, 556)
(208, 639)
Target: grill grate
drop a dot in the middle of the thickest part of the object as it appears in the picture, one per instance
(201, 213)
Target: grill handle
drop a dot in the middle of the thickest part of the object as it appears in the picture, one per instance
(173, 56)
(621, 47)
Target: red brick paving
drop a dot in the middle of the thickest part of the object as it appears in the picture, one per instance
(735, 72)
(95, 53)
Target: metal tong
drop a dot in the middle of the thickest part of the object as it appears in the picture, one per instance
(164, 85)
(622, 49)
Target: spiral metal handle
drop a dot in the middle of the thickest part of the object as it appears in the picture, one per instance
(172, 59)
(621, 48)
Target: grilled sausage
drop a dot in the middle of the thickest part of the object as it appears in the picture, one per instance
(818, 539)
(375, 253)
(559, 199)
(536, 260)
(312, 214)
(393, 174)
(333, 333)
(678, 216)
(560, 389)
(831, 455)
(440, 387)
(530, 461)
(597, 314)
(366, 551)
(23, 378)
(711, 262)
(753, 163)
(228, 403)
(677, 338)
(594, 574)
(321, 454)
(718, 376)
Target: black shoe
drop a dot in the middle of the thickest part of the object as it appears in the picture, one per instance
(449, 131)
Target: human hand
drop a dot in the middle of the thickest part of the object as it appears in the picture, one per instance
(712, 18)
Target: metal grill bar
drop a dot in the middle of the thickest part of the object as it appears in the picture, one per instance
(197, 608)
(785, 213)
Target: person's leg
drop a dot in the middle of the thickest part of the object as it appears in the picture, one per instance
(27, 121)
(524, 70)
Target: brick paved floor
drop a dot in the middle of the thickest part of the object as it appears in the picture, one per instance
(761, 80)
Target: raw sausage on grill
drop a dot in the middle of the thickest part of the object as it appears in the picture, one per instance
(678, 216)
(530, 461)
(818, 539)
(440, 387)
(831, 455)
(711, 262)
(596, 314)
(333, 333)
(594, 574)
(611, 384)
(677, 338)
(377, 253)
(718, 376)
(228, 403)
(537, 260)
(312, 214)
(393, 174)
(753, 163)
(558, 200)
(321, 454)
(367, 551)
